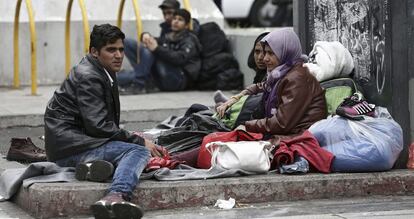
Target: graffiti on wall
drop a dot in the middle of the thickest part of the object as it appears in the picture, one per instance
(360, 26)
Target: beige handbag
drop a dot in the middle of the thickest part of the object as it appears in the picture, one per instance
(251, 156)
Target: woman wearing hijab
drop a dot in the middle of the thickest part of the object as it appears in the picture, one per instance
(255, 62)
(255, 59)
(292, 98)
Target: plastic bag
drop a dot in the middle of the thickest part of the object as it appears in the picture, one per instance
(372, 144)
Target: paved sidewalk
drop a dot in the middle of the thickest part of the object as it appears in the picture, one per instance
(19, 108)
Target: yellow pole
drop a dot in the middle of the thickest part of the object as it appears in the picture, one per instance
(16, 81)
(85, 26)
(33, 46)
(120, 12)
(187, 6)
(67, 32)
(67, 37)
(138, 21)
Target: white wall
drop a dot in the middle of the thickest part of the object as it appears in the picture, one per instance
(50, 28)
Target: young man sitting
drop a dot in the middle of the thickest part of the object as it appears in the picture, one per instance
(82, 126)
(174, 60)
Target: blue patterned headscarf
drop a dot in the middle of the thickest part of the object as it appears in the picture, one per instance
(285, 44)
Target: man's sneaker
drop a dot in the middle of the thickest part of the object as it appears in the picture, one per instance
(355, 108)
(95, 171)
(114, 205)
(23, 150)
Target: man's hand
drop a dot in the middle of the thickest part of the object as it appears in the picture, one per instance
(152, 148)
(150, 42)
(145, 37)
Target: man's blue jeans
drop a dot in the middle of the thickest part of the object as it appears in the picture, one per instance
(141, 72)
(166, 76)
(129, 160)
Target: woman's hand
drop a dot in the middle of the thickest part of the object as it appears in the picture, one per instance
(221, 110)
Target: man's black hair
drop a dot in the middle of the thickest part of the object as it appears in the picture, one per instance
(183, 13)
(103, 34)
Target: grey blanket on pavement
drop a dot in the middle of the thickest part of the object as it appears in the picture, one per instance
(185, 172)
(12, 179)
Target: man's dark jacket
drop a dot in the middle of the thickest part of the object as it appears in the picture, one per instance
(181, 50)
(84, 113)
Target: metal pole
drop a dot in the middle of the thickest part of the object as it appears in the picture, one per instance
(138, 21)
(86, 32)
(120, 12)
(33, 46)
(187, 6)
(16, 81)
(85, 21)
(67, 37)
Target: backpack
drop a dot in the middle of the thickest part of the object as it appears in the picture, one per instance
(242, 110)
(336, 90)
(213, 39)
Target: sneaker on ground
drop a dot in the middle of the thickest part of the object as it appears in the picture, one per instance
(355, 108)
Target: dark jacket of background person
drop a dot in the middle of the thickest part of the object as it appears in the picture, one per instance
(181, 50)
(301, 102)
(84, 113)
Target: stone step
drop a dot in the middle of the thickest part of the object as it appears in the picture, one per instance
(20, 109)
(49, 200)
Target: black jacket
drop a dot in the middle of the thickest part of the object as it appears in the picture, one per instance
(84, 113)
(181, 50)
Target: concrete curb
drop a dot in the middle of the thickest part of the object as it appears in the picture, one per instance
(142, 115)
(47, 200)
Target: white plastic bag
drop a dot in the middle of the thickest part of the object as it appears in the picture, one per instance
(331, 60)
(372, 144)
(251, 156)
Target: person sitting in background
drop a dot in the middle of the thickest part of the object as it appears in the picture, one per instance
(255, 62)
(174, 59)
(292, 98)
(255, 59)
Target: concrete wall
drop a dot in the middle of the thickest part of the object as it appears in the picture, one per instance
(50, 20)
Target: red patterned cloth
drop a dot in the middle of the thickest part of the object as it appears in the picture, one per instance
(156, 163)
(304, 145)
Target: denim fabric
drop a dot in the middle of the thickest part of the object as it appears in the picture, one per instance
(168, 77)
(129, 160)
(141, 72)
